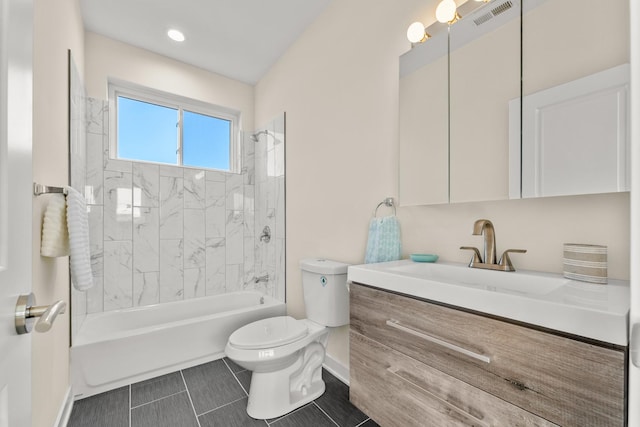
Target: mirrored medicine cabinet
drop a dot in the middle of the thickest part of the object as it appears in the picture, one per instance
(519, 98)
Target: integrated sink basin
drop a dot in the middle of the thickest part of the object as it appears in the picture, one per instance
(489, 280)
(546, 300)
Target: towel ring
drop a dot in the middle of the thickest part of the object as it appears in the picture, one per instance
(387, 202)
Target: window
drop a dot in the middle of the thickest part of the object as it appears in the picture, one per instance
(156, 127)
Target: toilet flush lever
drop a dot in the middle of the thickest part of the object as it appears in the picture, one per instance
(27, 311)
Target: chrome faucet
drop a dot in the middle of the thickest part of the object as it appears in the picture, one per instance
(485, 228)
(264, 278)
(266, 234)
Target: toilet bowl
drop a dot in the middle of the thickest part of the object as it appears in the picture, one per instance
(286, 357)
(285, 354)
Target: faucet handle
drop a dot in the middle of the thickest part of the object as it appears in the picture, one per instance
(477, 259)
(505, 260)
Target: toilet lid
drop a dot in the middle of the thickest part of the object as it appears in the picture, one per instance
(271, 332)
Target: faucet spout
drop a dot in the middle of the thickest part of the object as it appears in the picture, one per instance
(263, 278)
(485, 227)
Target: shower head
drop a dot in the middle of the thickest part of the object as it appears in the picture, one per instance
(256, 136)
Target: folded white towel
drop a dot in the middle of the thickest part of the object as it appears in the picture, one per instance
(78, 225)
(55, 237)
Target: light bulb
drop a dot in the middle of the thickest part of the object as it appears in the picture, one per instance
(416, 33)
(175, 35)
(446, 11)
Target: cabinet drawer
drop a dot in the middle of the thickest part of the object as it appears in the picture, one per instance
(396, 390)
(567, 382)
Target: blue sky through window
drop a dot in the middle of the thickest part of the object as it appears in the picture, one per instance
(149, 132)
(205, 141)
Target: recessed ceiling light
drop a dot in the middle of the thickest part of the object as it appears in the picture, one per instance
(175, 35)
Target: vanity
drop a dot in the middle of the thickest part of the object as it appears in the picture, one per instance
(443, 344)
(517, 99)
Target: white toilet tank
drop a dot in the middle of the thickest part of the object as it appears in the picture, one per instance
(324, 285)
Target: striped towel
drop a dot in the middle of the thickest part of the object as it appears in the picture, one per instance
(384, 240)
(78, 225)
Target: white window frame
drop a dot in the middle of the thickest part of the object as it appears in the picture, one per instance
(180, 103)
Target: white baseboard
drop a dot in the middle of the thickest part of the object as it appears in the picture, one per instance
(337, 369)
(65, 410)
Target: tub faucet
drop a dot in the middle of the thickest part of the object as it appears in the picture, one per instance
(264, 278)
(266, 234)
(485, 228)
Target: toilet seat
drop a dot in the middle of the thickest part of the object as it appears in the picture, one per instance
(271, 332)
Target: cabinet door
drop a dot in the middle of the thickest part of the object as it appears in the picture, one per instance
(563, 380)
(397, 390)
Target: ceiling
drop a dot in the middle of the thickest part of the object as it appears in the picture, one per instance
(240, 39)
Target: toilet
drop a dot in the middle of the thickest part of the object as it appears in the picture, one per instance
(286, 354)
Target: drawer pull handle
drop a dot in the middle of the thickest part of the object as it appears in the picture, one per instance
(481, 357)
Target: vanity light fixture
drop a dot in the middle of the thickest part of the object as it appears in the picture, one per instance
(446, 12)
(175, 35)
(416, 33)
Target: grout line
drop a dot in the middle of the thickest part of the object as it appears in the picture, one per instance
(130, 409)
(158, 399)
(190, 400)
(362, 423)
(328, 416)
(222, 406)
(236, 378)
(224, 359)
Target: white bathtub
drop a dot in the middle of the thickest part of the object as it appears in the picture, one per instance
(121, 347)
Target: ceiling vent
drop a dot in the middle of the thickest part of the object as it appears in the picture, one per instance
(501, 8)
(493, 13)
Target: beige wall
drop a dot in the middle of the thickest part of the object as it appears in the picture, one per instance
(339, 86)
(58, 27)
(107, 58)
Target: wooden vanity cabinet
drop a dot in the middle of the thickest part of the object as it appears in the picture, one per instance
(417, 363)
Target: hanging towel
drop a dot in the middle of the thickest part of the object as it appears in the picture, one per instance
(55, 237)
(384, 240)
(78, 225)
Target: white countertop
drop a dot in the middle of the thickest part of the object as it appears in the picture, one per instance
(599, 312)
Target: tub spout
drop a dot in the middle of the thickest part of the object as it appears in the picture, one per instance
(264, 278)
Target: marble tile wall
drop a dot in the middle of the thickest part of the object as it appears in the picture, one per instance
(270, 206)
(162, 233)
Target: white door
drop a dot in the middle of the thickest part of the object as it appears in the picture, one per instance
(16, 39)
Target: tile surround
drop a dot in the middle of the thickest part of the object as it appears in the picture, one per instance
(162, 233)
(118, 275)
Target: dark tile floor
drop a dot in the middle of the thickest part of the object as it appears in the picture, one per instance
(213, 394)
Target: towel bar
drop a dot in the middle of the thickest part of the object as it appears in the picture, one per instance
(387, 202)
(39, 189)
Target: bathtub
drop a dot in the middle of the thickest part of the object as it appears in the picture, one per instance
(121, 347)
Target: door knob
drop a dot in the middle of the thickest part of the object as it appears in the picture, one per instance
(27, 311)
